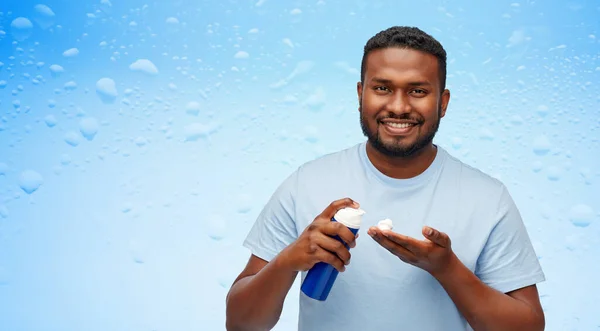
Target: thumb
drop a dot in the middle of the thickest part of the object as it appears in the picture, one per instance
(436, 236)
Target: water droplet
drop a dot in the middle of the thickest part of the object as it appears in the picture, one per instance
(137, 252)
(88, 128)
(542, 110)
(581, 215)
(21, 28)
(241, 55)
(72, 52)
(316, 101)
(216, 227)
(3, 84)
(70, 86)
(456, 143)
(311, 134)
(516, 120)
(3, 169)
(141, 141)
(288, 42)
(586, 174)
(192, 108)
(537, 166)
(144, 66)
(486, 134)
(541, 145)
(296, 11)
(571, 242)
(51, 103)
(244, 203)
(553, 173)
(127, 207)
(290, 100)
(195, 131)
(3, 211)
(105, 6)
(72, 138)
(106, 89)
(50, 121)
(56, 70)
(172, 21)
(30, 181)
(65, 159)
(43, 16)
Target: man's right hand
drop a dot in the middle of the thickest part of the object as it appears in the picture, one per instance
(316, 244)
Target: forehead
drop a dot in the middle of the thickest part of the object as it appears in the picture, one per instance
(397, 64)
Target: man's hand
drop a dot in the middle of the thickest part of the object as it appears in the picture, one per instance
(482, 306)
(316, 244)
(434, 254)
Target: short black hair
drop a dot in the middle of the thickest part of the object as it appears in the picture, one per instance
(406, 37)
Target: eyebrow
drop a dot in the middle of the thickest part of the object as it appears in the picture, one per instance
(388, 81)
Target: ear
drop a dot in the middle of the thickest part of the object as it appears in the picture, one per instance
(445, 100)
(359, 89)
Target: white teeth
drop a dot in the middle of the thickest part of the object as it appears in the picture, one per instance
(399, 125)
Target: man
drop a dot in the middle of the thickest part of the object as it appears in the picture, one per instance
(459, 255)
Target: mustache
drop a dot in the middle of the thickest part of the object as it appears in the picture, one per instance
(407, 117)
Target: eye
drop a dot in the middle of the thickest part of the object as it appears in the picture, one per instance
(380, 88)
(419, 92)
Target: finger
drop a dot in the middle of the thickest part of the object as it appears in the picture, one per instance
(337, 205)
(331, 259)
(412, 244)
(334, 246)
(401, 252)
(353, 244)
(436, 236)
(340, 230)
(407, 242)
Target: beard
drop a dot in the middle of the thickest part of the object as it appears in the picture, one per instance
(397, 148)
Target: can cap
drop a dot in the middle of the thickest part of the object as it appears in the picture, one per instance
(350, 217)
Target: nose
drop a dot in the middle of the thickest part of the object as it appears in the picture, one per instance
(399, 103)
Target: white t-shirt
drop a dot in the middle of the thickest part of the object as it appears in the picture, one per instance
(378, 291)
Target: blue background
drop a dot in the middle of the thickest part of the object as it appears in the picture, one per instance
(124, 208)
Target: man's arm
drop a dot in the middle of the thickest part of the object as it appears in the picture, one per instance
(486, 308)
(255, 300)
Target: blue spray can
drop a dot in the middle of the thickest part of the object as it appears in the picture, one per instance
(320, 278)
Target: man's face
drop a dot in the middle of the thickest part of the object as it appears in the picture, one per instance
(401, 102)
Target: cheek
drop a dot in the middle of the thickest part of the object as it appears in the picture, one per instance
(372, 105)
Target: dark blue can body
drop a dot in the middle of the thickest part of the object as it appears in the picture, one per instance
(320, 278)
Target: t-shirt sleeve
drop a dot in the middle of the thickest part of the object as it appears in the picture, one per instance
(275, 226)
(508, 261)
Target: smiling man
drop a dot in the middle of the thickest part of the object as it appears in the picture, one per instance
(459, 256)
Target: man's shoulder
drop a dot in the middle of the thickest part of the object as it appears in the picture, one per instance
(338, 160)
(470, 176)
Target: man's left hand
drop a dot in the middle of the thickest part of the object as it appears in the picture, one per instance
(434, 254)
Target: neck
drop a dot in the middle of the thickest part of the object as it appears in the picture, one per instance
(402, 167)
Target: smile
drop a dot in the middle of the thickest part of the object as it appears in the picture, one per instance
(395, 128)
(399, 125)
